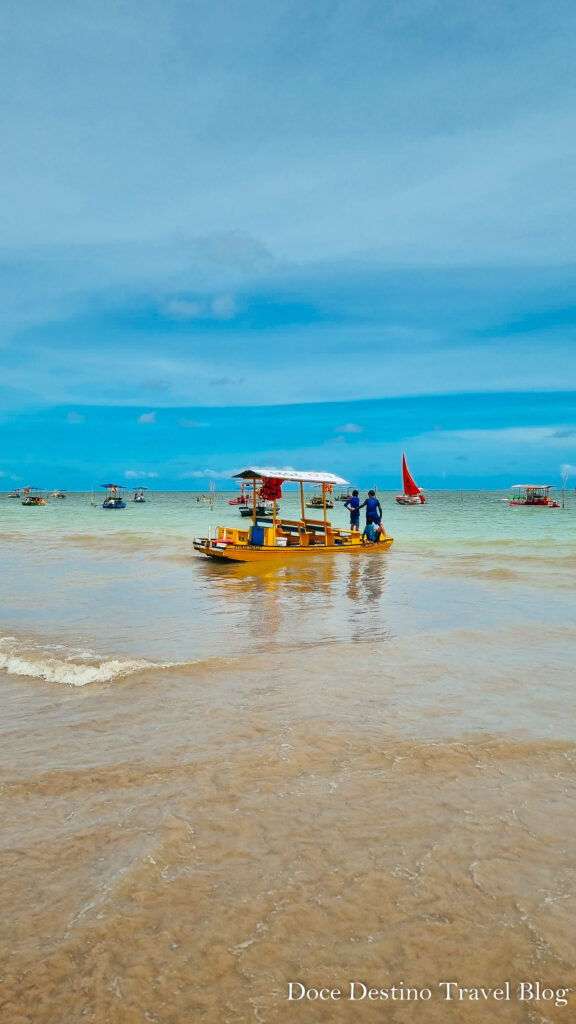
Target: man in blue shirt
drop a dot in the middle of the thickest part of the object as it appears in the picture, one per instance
(373, 517)
(353, 505)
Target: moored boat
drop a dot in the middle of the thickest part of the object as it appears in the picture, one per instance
(263, 508)
(321, 498)
(532, 496)
(114, 496)
(34, 496)
(412, 494)
(273, 537)
(240, 499)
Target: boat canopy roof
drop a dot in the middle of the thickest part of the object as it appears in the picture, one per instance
(532, 487)
(119, 487)
(272, 473)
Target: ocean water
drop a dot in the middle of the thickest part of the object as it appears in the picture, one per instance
(352, 773)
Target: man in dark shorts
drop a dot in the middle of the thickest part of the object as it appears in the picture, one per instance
(373, 518)
(353, 506)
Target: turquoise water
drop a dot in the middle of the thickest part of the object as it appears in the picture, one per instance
(449, 518)
(92, 596)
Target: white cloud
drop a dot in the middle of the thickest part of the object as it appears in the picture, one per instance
(213, 474)
(182, 309)
(147, 417)
(223, 307)
(133, 474)
(191, 423)
(75, 417)
(350, 428)
(549, 436)
(567, 469)
(224, 382)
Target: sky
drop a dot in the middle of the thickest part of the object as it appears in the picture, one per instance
(313, 235)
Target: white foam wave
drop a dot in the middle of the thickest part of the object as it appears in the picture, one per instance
(74, 668)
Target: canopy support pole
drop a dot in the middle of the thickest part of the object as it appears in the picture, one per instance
(325, 520)
(274, 524)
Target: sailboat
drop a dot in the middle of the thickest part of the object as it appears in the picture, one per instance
(412, 493)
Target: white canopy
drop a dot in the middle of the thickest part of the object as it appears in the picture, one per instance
(270, 472)
(533, 487)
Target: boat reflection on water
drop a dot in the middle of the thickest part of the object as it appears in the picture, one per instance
(301, 604)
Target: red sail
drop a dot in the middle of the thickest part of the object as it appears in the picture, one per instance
(409, 486)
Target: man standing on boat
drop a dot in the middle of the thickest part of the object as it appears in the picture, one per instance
(373, 517)
(353, 506)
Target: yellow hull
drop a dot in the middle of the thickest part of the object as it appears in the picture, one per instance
(248, 553)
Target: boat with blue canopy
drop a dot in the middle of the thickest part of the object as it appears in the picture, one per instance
(114, 496)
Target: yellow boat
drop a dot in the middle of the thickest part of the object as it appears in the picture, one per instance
(273, 537)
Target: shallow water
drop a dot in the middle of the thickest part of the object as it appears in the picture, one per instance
(218, 780)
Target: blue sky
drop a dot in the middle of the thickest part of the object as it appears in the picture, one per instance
(317, 234)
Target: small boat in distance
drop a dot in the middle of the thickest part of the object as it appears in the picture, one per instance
(412, 493)
(272, 537)
(34, 496)
(241, 499)
(320, 497)
(263, 508)
(139, 494)
(15, 493)
(344, 494)
(59, 493)
(532, 496)
(113, 498)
